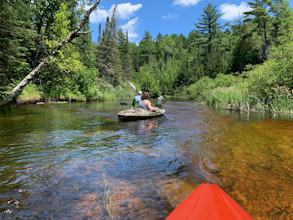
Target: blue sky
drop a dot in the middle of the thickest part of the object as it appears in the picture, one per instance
(162, 16)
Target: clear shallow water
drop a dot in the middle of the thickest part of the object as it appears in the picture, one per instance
(78, 161)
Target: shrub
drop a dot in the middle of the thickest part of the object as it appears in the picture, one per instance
(223, 80)
(201, 88)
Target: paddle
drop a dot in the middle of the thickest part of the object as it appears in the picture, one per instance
(131, 86)
(123, 103)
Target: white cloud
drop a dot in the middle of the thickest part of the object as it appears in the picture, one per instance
(186, 2)
(98, 15)
(170, 16)
(232, 11)
(125, 12)
(130, 27)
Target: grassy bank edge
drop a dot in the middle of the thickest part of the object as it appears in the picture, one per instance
(31, 95)
(236, 99)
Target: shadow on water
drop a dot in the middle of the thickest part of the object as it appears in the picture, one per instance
(66, 161)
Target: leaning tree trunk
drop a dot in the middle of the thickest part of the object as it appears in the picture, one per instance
(75, 33)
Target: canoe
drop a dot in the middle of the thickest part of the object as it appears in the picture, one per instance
(139, 113)
(209, 202)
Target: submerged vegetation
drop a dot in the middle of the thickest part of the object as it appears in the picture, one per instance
(246, 64)
(107, 199)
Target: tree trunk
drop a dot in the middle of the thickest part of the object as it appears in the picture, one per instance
(75, 33)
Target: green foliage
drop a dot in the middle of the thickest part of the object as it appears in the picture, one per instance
(201, 88)
(281, 99)
(87, 83)
(223, 80)
(147, 48)
(246, 50)
(68, 59)
(108, 58)
(225, 95)
(30, 92)
(261, 21)
(209, 21)
(276, 71)
(16, 41)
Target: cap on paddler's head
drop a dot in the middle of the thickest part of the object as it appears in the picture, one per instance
(140, 92)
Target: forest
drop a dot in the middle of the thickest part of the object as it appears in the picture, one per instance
(246, 64)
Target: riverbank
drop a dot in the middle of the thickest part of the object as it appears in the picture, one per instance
(33, 95)
(233, 98)
(239, 93)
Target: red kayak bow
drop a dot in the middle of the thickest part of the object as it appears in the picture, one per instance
(209, 202)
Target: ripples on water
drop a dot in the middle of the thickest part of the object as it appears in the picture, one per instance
(57, 159)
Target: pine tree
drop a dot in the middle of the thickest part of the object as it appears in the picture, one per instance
(99, 37)
(147, 48)
(262, 21)
(108, 60)
(123, 47)
(43, 19)
(16, 40)
(209, 22)
(282, 23)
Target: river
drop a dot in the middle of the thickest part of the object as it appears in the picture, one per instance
(78, 161)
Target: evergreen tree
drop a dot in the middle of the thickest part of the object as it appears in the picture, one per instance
(124, 52)
(43, 19)
(108, 60)
(85, 46)
(245, 50)
(262, 21)
(99, 37)
(282, 23)
(209, 22)
(16, 40)
(147, 48)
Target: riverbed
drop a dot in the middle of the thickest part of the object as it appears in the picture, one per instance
(78, 161)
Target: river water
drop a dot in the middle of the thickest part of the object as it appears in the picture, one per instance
(78, 161)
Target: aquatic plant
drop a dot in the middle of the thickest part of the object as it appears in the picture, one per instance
(107, 199)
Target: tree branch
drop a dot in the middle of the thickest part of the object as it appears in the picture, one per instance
(82, 50)
(58, 47)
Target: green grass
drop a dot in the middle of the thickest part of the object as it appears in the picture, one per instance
(30, 94)
(224, 96)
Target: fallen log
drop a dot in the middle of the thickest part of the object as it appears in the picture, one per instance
(73, 34)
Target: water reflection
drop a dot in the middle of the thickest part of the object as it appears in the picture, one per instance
(141, 128)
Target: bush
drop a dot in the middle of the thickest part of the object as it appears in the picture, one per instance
(278, 70)
(225, 95)
(29, 94)
(201, 88)
(224, 80)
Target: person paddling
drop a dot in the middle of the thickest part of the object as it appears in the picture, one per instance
(145, 103)
(136, 98)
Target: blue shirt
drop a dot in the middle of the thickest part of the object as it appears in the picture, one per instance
(137, 98)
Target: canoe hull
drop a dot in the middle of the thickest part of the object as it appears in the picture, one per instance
(139, 113)
(209, 202)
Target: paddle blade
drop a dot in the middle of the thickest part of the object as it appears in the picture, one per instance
(123, 103)
(131, 85)
(158, 105)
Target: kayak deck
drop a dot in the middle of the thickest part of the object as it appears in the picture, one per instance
(139, 113)
(209, 202)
